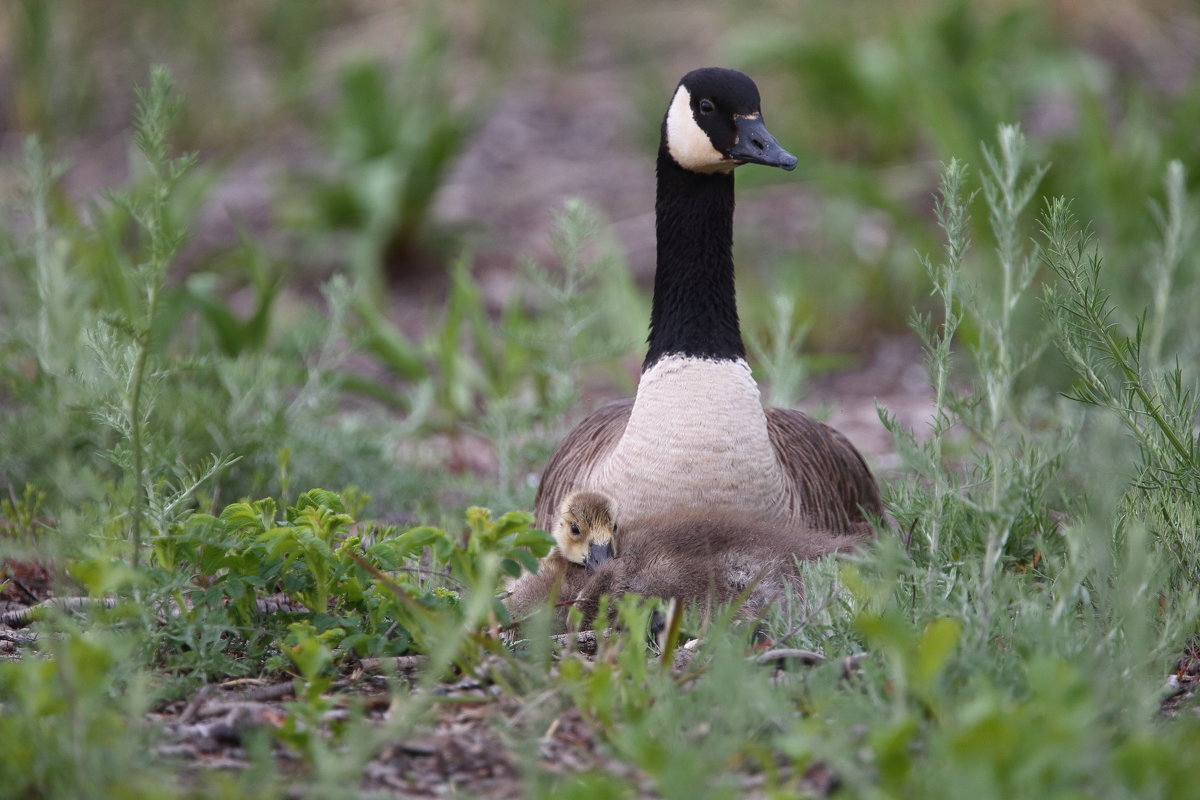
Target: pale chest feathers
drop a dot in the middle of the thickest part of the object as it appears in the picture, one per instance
(696, 439)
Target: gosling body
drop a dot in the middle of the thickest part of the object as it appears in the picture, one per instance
(704, 562)
(701, 560)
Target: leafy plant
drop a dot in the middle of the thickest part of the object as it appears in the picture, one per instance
(381, 591)
(67, 725)
(234, 335)
(393, 143)
(1002, 491)
(55, 87)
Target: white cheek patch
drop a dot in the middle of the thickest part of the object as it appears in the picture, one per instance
(687, 142)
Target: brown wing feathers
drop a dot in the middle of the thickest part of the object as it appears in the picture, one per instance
(830, 479)
(577, 455)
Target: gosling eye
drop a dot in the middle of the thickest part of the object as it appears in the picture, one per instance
(575, 529)
(706, 106)
(614, 527)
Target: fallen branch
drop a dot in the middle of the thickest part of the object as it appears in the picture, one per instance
(850, 664)
(806, 657)
(19, 618)
(18, 639)
(586, 642)
(397, 663)
(273, 692)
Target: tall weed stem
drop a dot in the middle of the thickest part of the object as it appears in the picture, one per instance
(952, 215)
(1007, 196)
(1176, 225)
(155, 112)
(1109, 363)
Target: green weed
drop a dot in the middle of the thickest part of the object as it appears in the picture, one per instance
(392, 143)
(875, 98)
(70, 724)
(515, 378)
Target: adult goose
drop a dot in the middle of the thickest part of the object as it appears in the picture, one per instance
(697, 436)
(699, 559)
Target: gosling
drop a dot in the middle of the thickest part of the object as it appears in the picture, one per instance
(701, 560)
(583, 533)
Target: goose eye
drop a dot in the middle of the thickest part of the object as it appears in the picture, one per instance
(706, 106)
(574, 529)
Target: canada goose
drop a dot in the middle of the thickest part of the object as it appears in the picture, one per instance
(697, 436)
(698, 559)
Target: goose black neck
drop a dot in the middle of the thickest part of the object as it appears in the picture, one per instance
(694, 312)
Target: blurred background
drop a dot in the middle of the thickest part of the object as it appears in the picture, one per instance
(419, 236)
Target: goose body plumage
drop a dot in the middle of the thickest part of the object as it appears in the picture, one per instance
(696, 435)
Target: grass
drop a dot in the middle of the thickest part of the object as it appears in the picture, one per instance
(162, 444)
(877, 100)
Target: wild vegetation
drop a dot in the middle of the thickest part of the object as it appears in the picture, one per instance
(244, 470)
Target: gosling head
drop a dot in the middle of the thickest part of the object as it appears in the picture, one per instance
(586, 530)
(714, 124)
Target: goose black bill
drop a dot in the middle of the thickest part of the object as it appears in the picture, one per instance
(756, 145)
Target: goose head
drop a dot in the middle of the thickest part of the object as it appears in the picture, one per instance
(585, 532)
(714, 124)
